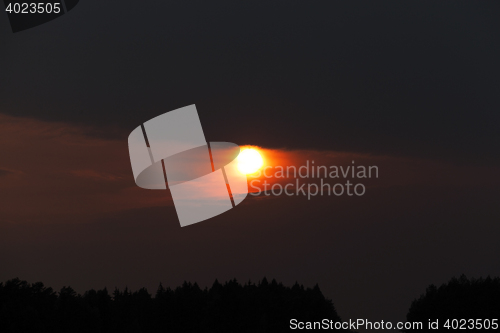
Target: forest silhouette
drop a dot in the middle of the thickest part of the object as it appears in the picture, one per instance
(229, 307)
(460, 299)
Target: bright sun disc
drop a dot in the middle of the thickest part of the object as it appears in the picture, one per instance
(249, 161)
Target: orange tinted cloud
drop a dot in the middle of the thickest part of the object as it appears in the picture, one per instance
(54, 171)
(59, 172)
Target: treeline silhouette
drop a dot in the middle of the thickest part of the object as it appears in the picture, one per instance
(460, 299)
(229, 307)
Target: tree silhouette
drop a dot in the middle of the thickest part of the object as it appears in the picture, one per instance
(229, 307)
(460, 299)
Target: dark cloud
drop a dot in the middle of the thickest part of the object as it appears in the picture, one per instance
(5, 172)
(414, 79)
(58, 172)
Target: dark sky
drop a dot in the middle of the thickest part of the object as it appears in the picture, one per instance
(391, 77)
(412, 81)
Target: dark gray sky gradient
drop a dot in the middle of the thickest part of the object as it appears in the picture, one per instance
(414, 78)
(414, 81)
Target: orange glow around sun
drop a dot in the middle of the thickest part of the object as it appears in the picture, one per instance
(249, 161)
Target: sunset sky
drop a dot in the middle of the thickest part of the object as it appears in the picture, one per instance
(412, 88)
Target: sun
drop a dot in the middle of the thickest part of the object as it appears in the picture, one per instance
(249, 161)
